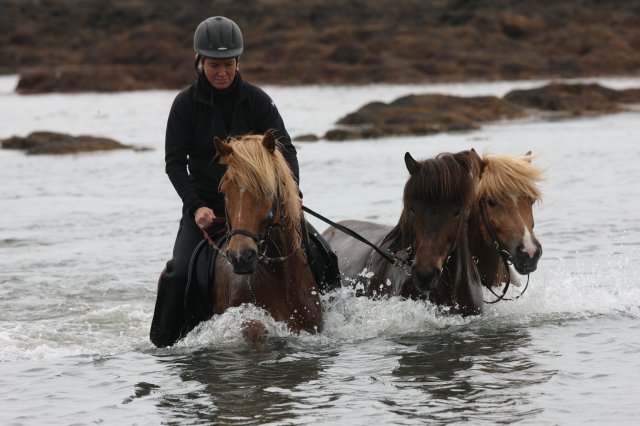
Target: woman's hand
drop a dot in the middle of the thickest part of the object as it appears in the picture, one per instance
(204, 217)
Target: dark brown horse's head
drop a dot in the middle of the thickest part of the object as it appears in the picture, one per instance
(259, 191)
(437, 201)
(506, 195)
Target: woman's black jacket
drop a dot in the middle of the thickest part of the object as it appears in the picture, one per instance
(196, 117)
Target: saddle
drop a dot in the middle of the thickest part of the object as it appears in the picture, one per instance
(323, 262)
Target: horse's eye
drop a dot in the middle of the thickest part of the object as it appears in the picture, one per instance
(411, 210)
(533, 201)
(491, 202)
(457, 213)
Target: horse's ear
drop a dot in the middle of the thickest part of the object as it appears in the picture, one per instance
(412, 165)
(527, 157)
(269, 140)
(478, 160)
(222, 148)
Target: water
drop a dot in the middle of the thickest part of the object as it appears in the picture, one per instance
(84, 237)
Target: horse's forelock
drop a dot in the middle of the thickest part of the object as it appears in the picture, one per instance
(444, 179)
(506, 176)
(265, 174)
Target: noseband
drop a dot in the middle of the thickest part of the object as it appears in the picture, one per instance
(506, 257)
(262, 239)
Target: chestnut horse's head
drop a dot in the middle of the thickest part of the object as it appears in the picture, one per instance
(260, 192)
(506, 194)
(437, 201)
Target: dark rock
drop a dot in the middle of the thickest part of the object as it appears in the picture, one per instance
(428, 114)
(574, 99)
(309, 137)
(422, 115)
(60, 143)
(100, 79)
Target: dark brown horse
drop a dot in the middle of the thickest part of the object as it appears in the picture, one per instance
(431, 234)
(263, 262)
(501, 221)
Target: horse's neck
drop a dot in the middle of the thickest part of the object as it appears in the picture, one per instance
(489, 263)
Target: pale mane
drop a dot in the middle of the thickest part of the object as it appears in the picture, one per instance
(507, 176)
(267, 175)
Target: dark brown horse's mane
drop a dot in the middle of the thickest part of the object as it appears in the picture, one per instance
(445, 179)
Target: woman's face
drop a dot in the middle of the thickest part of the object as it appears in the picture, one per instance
(220, 72)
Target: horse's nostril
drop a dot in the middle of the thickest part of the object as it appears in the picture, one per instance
(538, 253)
(520, 249)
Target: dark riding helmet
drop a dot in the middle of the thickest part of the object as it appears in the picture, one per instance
(218, 37)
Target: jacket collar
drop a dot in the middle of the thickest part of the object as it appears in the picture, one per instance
(205, 93)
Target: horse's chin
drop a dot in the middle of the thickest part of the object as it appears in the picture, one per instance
(243, 265)
(244, 270)
(525, 268)
(425, 288)
(424, 283)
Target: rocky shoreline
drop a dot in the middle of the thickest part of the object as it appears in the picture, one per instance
(417, 115)
(412, 115)
(140, 44)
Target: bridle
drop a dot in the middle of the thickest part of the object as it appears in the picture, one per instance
(262, 239)
(506, 257)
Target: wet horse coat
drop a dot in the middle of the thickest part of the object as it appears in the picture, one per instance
(264, 262)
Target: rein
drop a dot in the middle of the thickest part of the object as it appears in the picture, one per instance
(506, 257)
(208, 237)
(401, 262)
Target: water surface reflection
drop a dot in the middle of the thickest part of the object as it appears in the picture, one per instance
(237, 384)
(478, 373)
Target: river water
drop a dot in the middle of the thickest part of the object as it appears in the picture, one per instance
(84, 237)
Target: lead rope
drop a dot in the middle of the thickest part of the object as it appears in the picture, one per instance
(401, 262)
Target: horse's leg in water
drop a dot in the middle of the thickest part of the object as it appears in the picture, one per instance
(255, 333)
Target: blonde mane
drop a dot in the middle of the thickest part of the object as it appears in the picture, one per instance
(509, 176)
(266, 175)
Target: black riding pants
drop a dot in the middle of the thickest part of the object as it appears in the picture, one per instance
(169, 314)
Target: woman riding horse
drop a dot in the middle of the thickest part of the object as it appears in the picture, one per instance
(219, 104)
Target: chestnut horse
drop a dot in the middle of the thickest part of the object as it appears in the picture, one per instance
(431, 235)
(264, 263)
(501, 220)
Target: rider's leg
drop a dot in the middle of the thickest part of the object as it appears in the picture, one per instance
(169, 315)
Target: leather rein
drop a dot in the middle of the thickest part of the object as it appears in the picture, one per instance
(405, 262)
